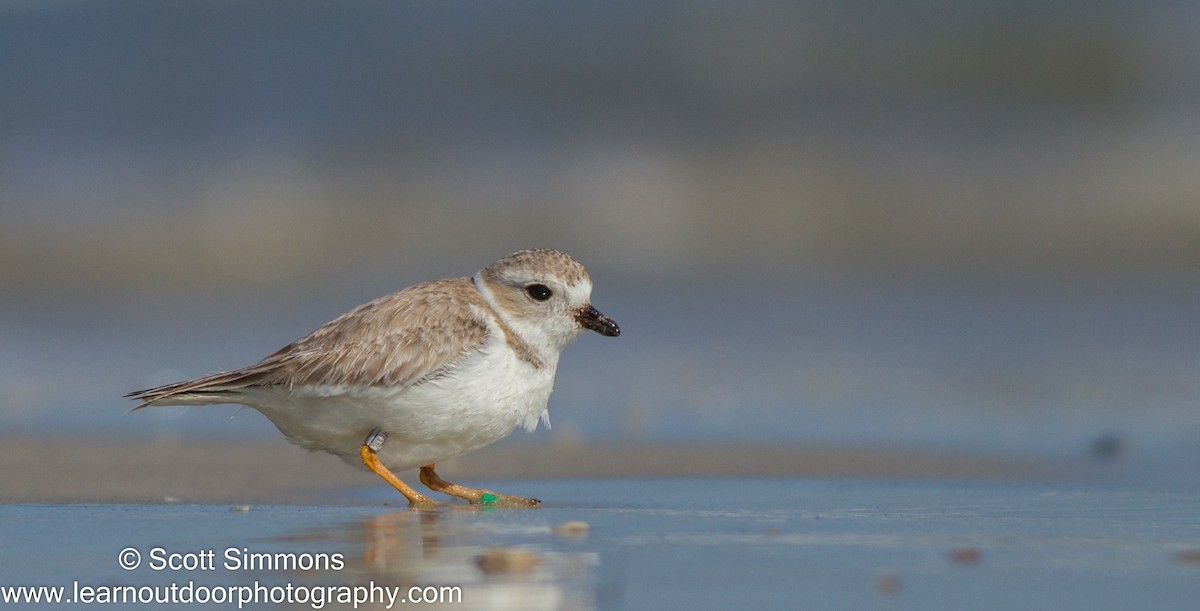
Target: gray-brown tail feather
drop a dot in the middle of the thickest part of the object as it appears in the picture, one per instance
(215, 388)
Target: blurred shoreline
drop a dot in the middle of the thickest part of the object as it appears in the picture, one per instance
(87, 470)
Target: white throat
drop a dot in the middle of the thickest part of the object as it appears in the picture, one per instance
(529, 333)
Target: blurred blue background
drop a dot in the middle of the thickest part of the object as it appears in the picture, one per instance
(951, 225)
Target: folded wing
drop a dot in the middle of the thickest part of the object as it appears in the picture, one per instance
(395, 341)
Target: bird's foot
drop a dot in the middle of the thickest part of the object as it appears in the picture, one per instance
(370, 457)
(505, 501)
(474, 496)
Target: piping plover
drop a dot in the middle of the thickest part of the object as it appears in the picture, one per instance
(431, 372)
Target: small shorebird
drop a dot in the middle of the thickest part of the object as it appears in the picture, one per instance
(434, 371)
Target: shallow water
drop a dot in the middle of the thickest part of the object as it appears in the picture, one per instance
(672, 543)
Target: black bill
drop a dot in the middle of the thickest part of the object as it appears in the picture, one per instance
(591, 318)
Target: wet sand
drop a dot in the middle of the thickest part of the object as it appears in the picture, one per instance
(682, 543)
(85, 470)
(624, 527)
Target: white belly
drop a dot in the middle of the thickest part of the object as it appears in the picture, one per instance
(480, 401)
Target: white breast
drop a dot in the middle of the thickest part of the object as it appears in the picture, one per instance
(478, 401)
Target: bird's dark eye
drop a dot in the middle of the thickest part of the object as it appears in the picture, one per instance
(539, 292)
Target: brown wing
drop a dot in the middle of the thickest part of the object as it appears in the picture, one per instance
(394, 341)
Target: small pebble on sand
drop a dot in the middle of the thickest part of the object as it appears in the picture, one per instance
(966, 555)
(888, 584)
(507, 561)
(1188, 556)
(574, 529)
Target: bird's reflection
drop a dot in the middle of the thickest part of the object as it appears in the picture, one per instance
(455, 556)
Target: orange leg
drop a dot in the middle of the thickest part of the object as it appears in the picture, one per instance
(370, 458)
(474, 496)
